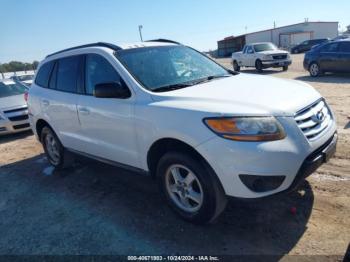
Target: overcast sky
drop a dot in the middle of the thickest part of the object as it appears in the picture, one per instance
(32, 29)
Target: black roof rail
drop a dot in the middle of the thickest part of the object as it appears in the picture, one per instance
(98, 44)
(164, 41)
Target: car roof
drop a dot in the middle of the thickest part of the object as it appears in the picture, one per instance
(103, 45)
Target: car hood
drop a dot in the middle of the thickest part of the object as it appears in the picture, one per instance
(274, 52)
(10, 102)
(242, 94)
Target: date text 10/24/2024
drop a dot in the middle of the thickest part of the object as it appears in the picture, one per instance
(173, 258)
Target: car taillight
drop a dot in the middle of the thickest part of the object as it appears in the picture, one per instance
(26, 95)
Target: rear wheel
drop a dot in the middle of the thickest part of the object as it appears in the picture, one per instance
(315, 69)
(54, 150)
(259, 65)
(191, 188)
(236, 67)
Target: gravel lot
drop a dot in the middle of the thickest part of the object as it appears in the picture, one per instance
(97, 209)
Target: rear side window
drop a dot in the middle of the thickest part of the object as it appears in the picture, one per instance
(98, 71)
(43, 76)
(67, 74)
(333, 47)
(344, 47)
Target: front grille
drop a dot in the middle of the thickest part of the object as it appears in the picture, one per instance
(16, 110)
(314, 119)
(277, 57)
(17, 114)
(21, 126)
(18, 118)
(2, 129)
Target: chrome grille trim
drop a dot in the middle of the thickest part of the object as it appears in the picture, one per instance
(314, 119)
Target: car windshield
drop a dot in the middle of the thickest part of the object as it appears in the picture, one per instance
(25, 77)
(264, 47)
(11, 89)
(163, 68)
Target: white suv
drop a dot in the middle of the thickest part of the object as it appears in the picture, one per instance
(165, 109)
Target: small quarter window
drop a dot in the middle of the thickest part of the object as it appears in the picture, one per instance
(43, 76)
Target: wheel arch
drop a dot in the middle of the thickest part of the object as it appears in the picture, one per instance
(40, 124)
(164, 145)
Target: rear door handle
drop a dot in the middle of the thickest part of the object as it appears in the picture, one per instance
(84, 111)
(46, 102)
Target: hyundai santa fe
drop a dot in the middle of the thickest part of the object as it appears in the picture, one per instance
(161, 108)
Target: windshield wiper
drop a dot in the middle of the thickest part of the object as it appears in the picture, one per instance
(172, 87)
(187, 84)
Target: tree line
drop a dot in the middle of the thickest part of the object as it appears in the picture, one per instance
(15, 66)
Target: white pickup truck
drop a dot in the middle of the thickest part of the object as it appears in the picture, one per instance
(261, 56)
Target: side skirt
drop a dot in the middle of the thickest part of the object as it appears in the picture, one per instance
(110, 162)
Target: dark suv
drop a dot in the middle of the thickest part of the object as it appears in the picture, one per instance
(330, 57)
(307, 45)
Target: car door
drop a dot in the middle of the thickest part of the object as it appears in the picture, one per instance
(107, 124)
(59, 99)
(328, 57)
(248, 56)
(344, 57)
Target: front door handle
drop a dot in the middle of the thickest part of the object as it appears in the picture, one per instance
(84, 111)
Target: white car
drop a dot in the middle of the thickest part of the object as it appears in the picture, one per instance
(165, 109)
(261, 56)
(26, 79)
(13, 107)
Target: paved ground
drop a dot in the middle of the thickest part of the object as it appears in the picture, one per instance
(97, 209)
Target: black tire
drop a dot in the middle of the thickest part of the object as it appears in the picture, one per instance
(259, 65)
(236, 67)
(315, 70)
(63, 159)
(214, 199)
(285, 68)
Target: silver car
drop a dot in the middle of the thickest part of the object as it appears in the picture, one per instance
(13, 107)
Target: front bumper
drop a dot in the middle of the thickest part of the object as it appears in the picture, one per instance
(12, 127)
(276, 63)
(293, 158)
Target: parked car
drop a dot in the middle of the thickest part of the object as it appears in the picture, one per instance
(261, 56)
(330, 57)
(13, 107)
(26, 79)
(340, 37)
(164, 109)
(307, 45)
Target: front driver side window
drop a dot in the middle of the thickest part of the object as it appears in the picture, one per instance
(98, 70)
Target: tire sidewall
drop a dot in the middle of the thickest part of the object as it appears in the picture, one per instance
(44, 133)
(207, 211)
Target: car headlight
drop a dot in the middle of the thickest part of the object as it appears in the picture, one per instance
(246, 128)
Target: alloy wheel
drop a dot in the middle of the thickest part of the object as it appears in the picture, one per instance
(184, 188)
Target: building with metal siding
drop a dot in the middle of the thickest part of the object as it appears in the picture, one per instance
(285, 36)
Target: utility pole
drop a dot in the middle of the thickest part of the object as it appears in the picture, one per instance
(140, 31)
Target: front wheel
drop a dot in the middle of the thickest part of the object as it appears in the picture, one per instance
(191, 188)
(236, 67)
(285, 68)
(259, 65)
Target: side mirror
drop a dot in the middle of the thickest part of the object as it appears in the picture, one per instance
(111, 90)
